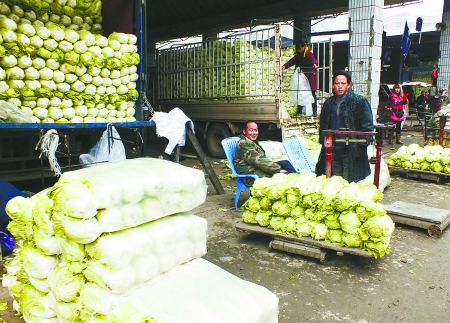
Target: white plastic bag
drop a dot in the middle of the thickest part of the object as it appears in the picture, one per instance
(108, 149)
(300, 91)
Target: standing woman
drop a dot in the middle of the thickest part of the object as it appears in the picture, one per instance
(307, 62)
(397, 114)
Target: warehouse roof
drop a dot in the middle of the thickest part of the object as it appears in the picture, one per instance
(170, 19)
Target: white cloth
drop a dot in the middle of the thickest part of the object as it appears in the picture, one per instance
(172, 125)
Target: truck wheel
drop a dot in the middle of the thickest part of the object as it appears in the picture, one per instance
(214, 137)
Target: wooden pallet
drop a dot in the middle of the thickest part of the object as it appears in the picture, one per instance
(433, 219)
(419, 174)
(304, 246)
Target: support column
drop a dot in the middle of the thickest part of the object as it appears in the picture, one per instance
(366, 34)
(302, 28)
(443, 81)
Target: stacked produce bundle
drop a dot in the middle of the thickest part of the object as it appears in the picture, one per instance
(221, 69)
(429, 158)
(115, 225)
(330, 209)
(274, 150)
(433, 126)
(57, 68)
(96, 245)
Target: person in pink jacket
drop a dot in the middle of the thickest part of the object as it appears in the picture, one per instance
(307, 62)
(397, 114)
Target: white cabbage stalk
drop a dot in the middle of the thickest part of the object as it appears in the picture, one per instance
(116, 82)
(30, 15)
(68, 113)
(65, 20)
(96, 50)
(101, 40)
(85, 78)
(14, 17)
(101, 89)
(73, 27)
(111, 89)
(118, 54)
(125, 48)
(40, 113)
(105, 72)
(28, 111)
(26, 29)
(120, 114)
(107, 81)
(133, 69)
(131, 85)
(92, 112)
(66, 103)
(36, 41)
(80, 47)
(122, 89)
(55, 113)
(55, 102)
(15, 73)
(80, 70)
(66, 68)
(48, 120)
(114, 44)
(102, 113)
(30, 104)
(125, 79)
(24, 62)
(100, 106)
(78, 86)
(89, 119)
(16, 84)
(58, 77)
(8, 61)
(112, 113)
(33, 84)
(133, 48)
(97, 80)
(48, 84)
(100, 120)
(111, 119)
(38, 23)
(35, 119)
(56, 32)
(132, 39)
(8, 24)
(130, 119)
(63, 87)
(81, 110)
(55, 18)
(87, 37)
(130, 112)
(62, 120)
(90, 89)
(77, 119)
(38, 63)
(17, 11)
(114, 74)
(43, 32)
(107, 51)
(50, 44)
(43, 17)
(65, 46)
(43, 102)
(134, 77)
(4, 8)
(24, 21)
(15, 101)
(52, 64)
(23, 40)
(123, 106)
(94, 70)
(46, 73)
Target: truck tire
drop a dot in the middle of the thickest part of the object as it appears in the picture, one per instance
(214, 136)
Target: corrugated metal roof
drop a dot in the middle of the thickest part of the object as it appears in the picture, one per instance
(168, 19)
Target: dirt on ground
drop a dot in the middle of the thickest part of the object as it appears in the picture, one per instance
(411, 284)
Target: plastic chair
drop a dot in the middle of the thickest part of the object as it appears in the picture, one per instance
(229, 146)
(298, 155)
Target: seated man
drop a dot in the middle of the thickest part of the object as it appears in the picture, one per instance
(250, 157)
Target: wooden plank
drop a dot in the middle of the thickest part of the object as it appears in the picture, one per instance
(242, 226)
(204, 161)
(418, 212)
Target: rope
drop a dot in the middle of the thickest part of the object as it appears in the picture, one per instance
(48, 144)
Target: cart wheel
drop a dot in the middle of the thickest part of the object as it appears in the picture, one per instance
(323, 256)
(434, 231)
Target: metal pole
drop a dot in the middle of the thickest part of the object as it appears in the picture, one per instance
(328, 144)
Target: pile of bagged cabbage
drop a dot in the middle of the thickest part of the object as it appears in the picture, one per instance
(116, 243)
(57, 67)
(429, 158)
(329, 209)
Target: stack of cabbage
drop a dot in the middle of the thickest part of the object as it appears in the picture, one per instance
(433, 126)
(221, 69)
(329, 209)
(428, 158)
(116, 243)
(111, 227)
(58, 69)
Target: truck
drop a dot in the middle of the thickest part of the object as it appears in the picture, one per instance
(20, 157)
(223, 82)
